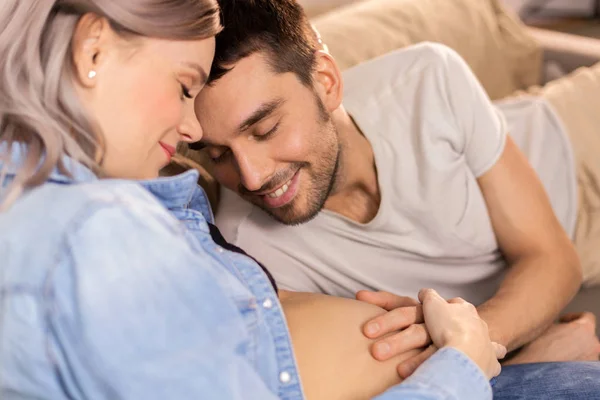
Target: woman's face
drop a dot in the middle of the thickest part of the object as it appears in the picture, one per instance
(142, 100)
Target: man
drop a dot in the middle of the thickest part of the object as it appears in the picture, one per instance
(412, 182)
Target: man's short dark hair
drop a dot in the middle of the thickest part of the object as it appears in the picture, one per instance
(277, 28)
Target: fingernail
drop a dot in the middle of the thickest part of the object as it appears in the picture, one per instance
(372, 328)
(382, 349)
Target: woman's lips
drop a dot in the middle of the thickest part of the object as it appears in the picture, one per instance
(169, 150)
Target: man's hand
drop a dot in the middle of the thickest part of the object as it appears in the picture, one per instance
(573, 339)
(405, 317)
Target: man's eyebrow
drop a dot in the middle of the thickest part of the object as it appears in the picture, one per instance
(258, 115)
(261, 113)
(199, 69)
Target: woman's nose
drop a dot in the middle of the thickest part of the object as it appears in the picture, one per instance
(189, 128)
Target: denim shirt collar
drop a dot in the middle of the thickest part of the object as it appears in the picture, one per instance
(174, 192)
(180, 192)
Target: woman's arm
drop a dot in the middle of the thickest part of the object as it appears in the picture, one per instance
(448, 374)
(139, 315)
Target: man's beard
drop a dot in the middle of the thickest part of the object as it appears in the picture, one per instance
(322, 178)
(322, 184)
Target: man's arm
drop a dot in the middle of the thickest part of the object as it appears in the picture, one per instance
(544, 271)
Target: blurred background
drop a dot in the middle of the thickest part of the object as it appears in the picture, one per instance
(580, 17)
(573, 16)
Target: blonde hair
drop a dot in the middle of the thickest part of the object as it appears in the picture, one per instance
(38, 104)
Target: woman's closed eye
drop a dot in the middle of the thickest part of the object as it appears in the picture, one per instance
(185, 92)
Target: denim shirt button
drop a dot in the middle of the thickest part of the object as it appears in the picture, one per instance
(219, 249)
(268, 303)
(285, 377)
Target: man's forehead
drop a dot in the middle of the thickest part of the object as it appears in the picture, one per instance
(247, 78)
(254, 66)
(239, 93)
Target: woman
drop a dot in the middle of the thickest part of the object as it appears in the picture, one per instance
(113, 285)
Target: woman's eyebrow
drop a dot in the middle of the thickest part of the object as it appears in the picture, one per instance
(196, 67)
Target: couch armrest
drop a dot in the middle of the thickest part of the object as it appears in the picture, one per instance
(564, 52)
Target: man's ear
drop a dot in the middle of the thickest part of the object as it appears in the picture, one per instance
(91, 41)
(328, 80)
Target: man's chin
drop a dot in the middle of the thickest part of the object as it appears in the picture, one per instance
(288, 216)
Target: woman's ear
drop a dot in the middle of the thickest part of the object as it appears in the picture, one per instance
(328, 80)
(91, 40)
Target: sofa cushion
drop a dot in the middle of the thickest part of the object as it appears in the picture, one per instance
(575, 99)
(493, 41)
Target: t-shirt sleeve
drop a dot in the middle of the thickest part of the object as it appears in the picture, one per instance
(481, 128)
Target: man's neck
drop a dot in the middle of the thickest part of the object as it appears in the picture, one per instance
(357, 194)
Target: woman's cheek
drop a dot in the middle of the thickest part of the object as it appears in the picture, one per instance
(160, 105)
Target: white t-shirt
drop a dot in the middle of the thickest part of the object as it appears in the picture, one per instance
(433, 131)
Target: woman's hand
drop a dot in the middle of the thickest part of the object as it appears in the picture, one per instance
(456, 323)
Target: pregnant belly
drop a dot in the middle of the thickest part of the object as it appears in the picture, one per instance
(333, 354)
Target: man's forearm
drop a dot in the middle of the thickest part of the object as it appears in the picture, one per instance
(532, 294)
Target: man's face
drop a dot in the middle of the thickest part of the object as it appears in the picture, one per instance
(270, 139)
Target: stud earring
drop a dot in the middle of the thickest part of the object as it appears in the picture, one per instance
(92, 74)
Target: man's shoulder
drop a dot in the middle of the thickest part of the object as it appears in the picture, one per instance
(399, 63)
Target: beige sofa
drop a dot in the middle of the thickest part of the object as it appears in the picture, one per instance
(565, 51)
(506, 56)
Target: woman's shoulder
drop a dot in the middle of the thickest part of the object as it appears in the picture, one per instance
(58, 204)
(46, 223)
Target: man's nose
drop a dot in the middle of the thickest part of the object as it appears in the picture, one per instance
(255, 170)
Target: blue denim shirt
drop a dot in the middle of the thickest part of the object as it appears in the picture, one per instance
(113, 289)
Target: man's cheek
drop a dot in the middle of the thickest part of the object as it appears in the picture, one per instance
(297, 145)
